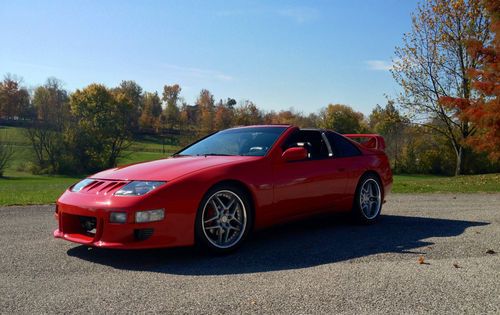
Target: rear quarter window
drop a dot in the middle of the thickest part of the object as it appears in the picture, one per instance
(342, 147)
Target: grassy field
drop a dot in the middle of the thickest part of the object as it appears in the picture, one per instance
(19, 187)
(144, 149)
(436, 184)
(23, 189)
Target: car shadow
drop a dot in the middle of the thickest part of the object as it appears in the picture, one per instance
(302, 244)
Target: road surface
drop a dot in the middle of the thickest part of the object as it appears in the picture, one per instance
(320, 266)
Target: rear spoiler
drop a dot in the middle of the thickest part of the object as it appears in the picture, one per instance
(370, 141)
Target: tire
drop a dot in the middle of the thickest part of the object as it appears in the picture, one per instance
(368, 198)
(224, 219)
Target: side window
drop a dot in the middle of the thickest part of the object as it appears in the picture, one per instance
(341, 147)
(311, 140)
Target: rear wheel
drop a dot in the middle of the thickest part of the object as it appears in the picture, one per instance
(223, 219)
(368, 200)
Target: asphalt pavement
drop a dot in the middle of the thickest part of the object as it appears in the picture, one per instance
(429, 253)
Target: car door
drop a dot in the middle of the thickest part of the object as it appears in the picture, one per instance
(347, 162)
(306, 186)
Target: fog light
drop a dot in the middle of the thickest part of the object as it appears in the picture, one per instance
(149, 215)
(118, 217)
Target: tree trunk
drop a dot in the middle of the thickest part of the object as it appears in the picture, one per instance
(458, 167)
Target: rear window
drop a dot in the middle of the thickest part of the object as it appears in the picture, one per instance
(341, 146)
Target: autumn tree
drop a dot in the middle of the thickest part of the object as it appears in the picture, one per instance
(341, 118)
(224, 114)
(433, 62)
(171, 98)
(291, 117)
(287, 117)
(484, 111)
(151, 111)
(247, 113)
(205, 104)
(14, 99)
(50, 102)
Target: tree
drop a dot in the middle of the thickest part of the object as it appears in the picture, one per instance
(224, 114)
(51, 105)
(341, 118)
(171, 98)
(131, 93)
(101, 127)
(483, 111)
(14, 99)
(247, 113)
(205, 103)
(389, 123)
(433, 61)
(151, 111)
(6, 154)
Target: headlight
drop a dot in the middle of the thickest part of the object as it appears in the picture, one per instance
(149, 215)
(137, 188)
(80, 185)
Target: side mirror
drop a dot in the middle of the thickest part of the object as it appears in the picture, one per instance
(294, 154)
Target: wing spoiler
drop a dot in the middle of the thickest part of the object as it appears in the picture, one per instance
(370, 141)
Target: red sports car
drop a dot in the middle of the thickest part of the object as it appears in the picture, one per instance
(217, 190)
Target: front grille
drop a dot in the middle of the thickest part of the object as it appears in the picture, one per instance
(77, 224)
(89, 224)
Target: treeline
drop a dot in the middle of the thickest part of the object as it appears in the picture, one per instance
(89, 129)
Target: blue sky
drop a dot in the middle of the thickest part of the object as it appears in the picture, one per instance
(279, 54)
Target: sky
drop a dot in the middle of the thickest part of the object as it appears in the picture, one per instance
(278, 54)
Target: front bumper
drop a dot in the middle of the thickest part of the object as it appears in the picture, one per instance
(129, 235)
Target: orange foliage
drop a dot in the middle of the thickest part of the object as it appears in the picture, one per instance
(484, 111)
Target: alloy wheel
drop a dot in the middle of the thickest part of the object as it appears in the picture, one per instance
(224, 219)
(370, 198)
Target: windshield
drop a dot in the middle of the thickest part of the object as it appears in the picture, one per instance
(239, 141)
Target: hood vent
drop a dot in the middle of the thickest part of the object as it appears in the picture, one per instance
(103, 187)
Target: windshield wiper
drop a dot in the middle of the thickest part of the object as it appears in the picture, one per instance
(178, 154)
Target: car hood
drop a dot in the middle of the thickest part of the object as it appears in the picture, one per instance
(168, 169)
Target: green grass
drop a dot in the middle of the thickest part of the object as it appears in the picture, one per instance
(14, 135)
(140, 156)
(19, 187)
(437, 184)
(23, 189)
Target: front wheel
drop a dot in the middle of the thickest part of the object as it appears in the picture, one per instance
(367, 200)
(223, 219)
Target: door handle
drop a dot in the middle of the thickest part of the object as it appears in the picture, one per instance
(342, 169)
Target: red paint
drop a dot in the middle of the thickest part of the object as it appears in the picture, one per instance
(281, 190)
(294, 154)
(373, 141)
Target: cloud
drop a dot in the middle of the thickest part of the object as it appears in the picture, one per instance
(199, 73)
(300, 14)
(379, 65)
